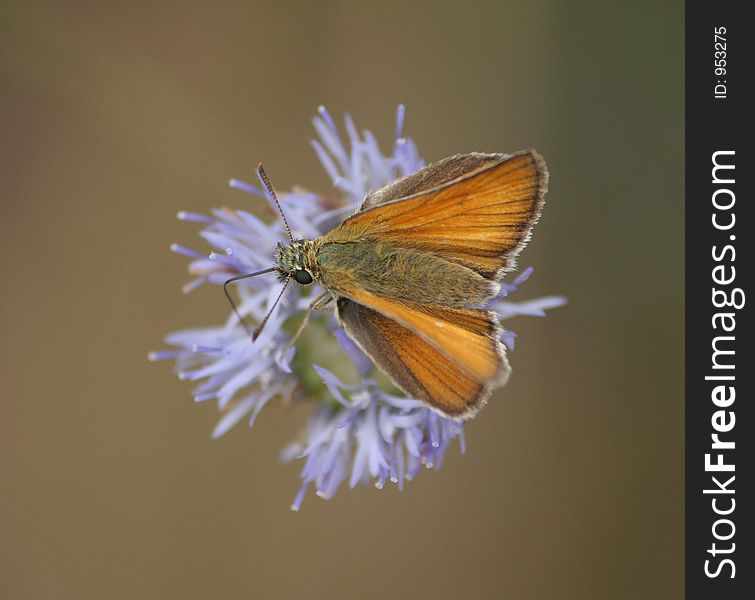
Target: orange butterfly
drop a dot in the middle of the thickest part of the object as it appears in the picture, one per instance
(411, 271)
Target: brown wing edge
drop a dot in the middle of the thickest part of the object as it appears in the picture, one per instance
(432, 176)
(359, 322)
(543, 180)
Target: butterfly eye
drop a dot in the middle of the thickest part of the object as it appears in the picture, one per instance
(302, 277)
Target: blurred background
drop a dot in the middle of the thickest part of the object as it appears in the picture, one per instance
(117, 115)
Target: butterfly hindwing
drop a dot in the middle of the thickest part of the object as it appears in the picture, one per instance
(448, 357)
(415, 365)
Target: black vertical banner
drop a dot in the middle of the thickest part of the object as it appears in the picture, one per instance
(720, 558)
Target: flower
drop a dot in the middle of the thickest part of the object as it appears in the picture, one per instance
(357, 431)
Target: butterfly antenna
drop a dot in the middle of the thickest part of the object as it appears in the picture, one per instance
(230, 300)
(261, 326)
(268, 185)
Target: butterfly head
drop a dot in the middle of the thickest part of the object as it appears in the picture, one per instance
(296, 260)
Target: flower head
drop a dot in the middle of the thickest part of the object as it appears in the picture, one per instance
(358, 432)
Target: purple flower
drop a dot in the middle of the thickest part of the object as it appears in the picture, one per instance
(357, 432)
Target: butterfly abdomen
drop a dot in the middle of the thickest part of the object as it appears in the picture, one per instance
(408, 274)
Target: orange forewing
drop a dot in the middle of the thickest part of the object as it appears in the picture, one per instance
(432, 176)
(481, 220)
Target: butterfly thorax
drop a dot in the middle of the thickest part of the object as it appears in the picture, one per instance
(296, 260)
(393, 271)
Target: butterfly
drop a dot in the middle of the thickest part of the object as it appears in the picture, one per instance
(411, 273)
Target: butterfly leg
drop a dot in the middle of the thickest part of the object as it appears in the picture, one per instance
(321, 301)
(317, 304)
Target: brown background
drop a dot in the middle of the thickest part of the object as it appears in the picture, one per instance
(114, 118)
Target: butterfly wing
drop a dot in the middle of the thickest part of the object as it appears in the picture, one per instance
(481, 218)
(450, 358)
(432, 176)
(475, 210)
